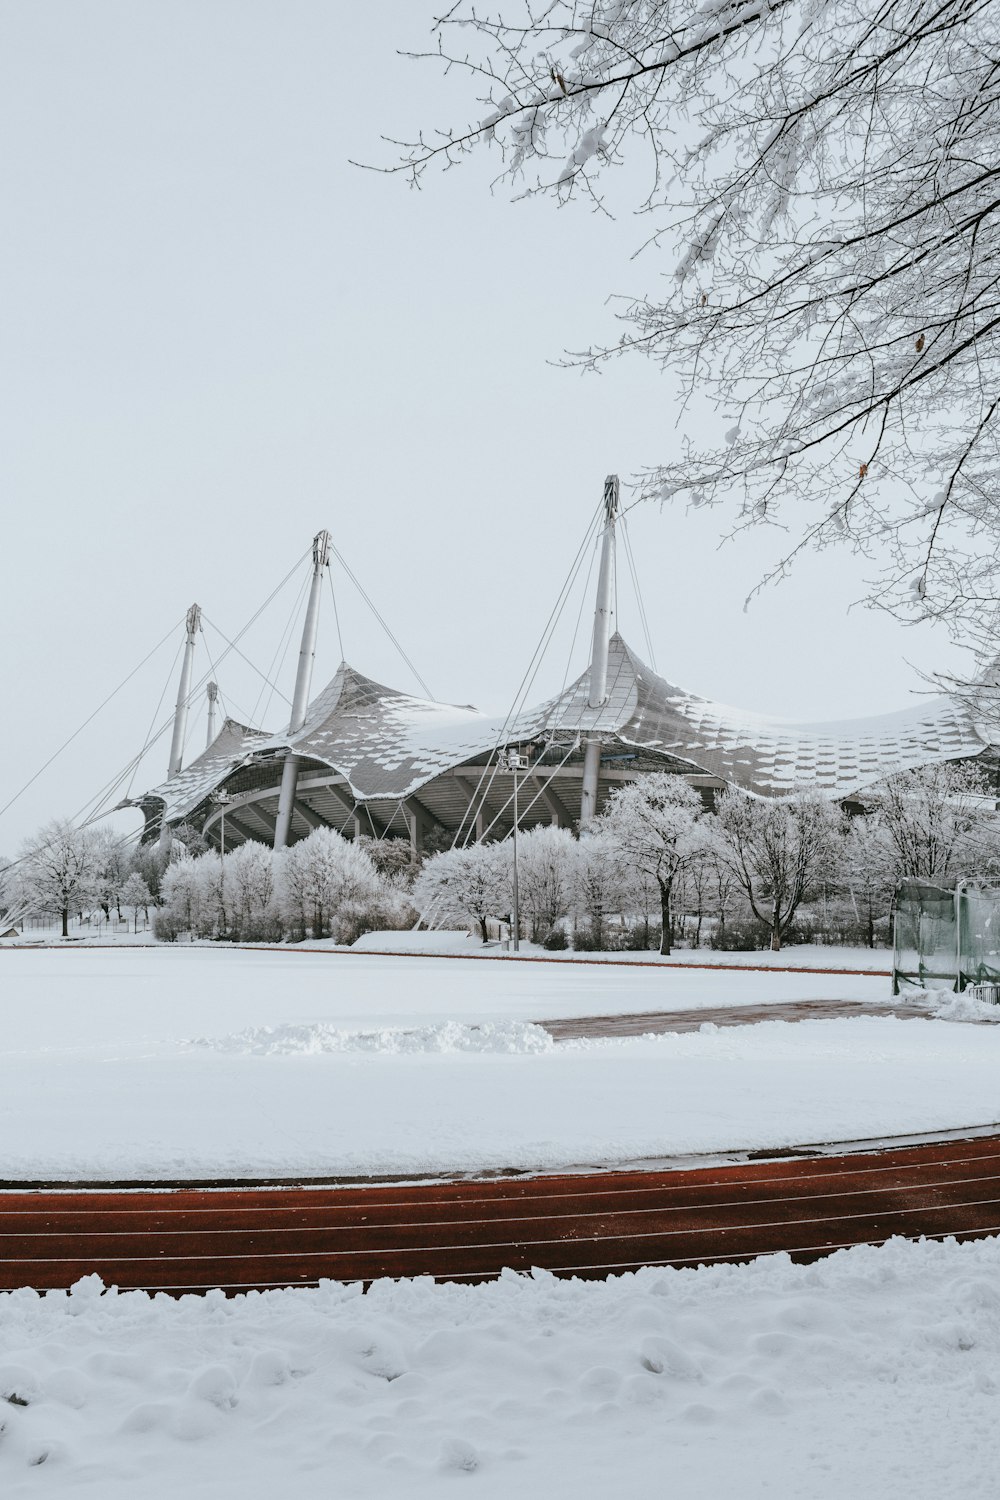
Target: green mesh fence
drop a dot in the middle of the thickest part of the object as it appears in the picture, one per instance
(945, 939)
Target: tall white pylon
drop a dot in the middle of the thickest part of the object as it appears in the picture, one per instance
(303, 681)
(599, 653)
(212, 693)
(192, 626)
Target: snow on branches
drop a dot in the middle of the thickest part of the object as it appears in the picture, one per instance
(825, 178)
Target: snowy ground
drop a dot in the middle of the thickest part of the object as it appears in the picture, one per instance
(872, 1373)
(177, 1062)
(800, 956)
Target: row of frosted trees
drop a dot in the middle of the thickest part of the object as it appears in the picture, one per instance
(657, 867)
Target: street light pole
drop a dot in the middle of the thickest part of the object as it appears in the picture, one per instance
(515, 763)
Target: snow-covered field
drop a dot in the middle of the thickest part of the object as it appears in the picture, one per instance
(178, 1062)
(871, 1374)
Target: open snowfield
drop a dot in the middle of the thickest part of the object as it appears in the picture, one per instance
(871, 1374)
(192, 1062)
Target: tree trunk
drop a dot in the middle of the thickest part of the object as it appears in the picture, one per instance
(65, 921)
(664, 918)
(775, 931)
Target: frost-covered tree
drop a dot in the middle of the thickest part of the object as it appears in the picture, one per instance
(59, 869)
(250, 883)
(938, 822)
(652, 822)
(115, 865)
(865, 868)
(466, 885)
(136, 897)
(317, 876)
(212, 895)
(181, 897)
(8, 882)
(600, 882)
(778, 851)
(545, 877)
(820, 187)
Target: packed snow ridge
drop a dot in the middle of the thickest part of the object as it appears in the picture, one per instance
(448, 1036)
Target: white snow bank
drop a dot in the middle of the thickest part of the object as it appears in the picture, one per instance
(449, 1036)
(444, 941)
(963, 1007)
(873, 1372)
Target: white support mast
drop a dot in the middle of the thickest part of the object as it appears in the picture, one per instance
(303, 681)
(212, 693)
(599, 654)
(192, 626)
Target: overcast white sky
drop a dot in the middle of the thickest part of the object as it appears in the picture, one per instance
(218, 336)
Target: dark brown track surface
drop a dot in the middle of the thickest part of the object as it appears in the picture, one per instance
(189, 1239)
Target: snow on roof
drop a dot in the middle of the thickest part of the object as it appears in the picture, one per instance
(182, 793)
(387, 744)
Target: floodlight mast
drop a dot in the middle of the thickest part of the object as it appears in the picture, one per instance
(303, 682)
(599, 654)
(192, 625)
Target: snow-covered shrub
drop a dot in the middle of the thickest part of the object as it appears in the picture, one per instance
(388, 909)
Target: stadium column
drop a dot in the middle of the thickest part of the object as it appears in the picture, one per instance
(303, 681)
(416, 822)
(599, 654)
(192, 625)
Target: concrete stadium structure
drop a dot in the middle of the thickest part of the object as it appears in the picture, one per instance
(371, 761)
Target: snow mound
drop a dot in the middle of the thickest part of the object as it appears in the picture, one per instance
(966, 1007)
(448, 1036)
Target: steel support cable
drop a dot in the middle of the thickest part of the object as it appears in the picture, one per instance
(155, 714)
(150, 742)
(545, 784)
(90, 718)
(381, 621)
(576, 629)
(638, 595)
(529, 677)
(232, 646)
(286, 634)
(336, 614)
(281, 650)
(429, 917)
(223, 697)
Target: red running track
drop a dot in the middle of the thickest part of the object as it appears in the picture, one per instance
(191, 1239)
